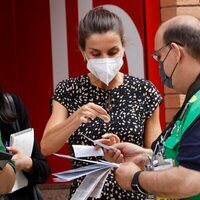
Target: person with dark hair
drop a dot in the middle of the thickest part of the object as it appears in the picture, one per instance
(35, 168)
(104, 100)
(177, 44)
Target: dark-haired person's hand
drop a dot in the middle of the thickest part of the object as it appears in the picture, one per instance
(22, 161)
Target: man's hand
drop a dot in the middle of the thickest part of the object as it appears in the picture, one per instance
(124, 174)
(128, 152)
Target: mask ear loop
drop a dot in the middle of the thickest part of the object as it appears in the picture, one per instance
(167, 54)
(173, 70)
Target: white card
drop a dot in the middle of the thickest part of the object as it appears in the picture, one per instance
(86, 151)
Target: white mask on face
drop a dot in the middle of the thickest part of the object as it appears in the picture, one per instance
(105, 69)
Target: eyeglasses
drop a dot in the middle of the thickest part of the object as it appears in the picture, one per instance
(157, 57)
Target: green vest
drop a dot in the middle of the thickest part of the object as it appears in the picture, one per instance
(171, 145)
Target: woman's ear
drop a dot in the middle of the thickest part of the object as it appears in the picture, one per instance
(123, 52)
(83, 54)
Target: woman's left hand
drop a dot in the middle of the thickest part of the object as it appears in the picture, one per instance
(109, 139)
(110, 155)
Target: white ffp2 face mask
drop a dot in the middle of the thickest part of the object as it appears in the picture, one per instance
(105, 69)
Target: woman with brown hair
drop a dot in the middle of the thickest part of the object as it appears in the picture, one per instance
(103, 101)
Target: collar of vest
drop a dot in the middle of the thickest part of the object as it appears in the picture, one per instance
(191, 91)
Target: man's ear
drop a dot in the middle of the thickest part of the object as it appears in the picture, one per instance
(177, 50)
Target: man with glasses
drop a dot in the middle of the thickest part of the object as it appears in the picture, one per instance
(172, 168)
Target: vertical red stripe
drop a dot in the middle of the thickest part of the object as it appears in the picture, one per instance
(8, 79)
(77, 66)
(152, 13)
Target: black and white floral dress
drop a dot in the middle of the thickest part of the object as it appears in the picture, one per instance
(129, 106)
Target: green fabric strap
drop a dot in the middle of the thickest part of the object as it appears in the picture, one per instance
(2, 148)
(171, 145)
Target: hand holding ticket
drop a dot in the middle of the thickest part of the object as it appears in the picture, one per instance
(96, 142)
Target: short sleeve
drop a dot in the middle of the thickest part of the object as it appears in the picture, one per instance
(61, 92)
(152, 98)
(189, 149)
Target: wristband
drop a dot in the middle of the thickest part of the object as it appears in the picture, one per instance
(135, 184)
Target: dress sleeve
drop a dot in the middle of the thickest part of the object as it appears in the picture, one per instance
(61, 92)
(41, 169)
(64, 92)
(152, 98)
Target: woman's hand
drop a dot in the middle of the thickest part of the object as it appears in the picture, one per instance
(22, 161)
(61, 125)
(109, 139)
(111, 155)
(90, 111)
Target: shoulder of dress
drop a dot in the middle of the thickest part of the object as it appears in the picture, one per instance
(78, 79)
